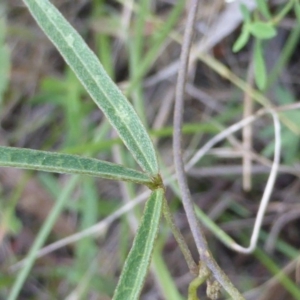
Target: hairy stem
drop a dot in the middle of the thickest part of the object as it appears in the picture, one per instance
(179, 239)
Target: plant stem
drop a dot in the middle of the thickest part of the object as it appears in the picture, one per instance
(288, 6)
(179, 239)
(204, 274)
(194, 224)
(177, 148)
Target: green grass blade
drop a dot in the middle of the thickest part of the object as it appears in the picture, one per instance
(66, 163)
(41, 237)
(286, 52)
(96, 81)
(137, 263)
(137, 46)
(287, 283)
(159, 38)
(168, 286)
(4, 56)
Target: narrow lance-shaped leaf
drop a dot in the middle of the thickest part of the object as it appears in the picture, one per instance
(297, 10)
(246, 13)
(259, 65)
(96, 81)
(66, 163)
(242, 40)
(264, 9)
(138, 260)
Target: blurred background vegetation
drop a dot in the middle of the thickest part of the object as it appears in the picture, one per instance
(43, 106)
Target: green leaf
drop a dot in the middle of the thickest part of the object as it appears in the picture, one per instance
(259, 66)
(245, 34)
(245, 13)
(297, 10)
(241, 41)
(137, 263)
(264, 9)
(97, 83)
(66, 163)
(262, 30)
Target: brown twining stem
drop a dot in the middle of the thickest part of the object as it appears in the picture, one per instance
(177, 149)
(197, 232)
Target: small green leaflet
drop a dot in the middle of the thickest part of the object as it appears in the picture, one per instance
(259, 65)
(242, 40)
(262, 30)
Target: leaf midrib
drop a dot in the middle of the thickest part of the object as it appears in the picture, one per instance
(99, 87)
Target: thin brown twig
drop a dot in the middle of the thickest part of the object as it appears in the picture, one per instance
(201, 243)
